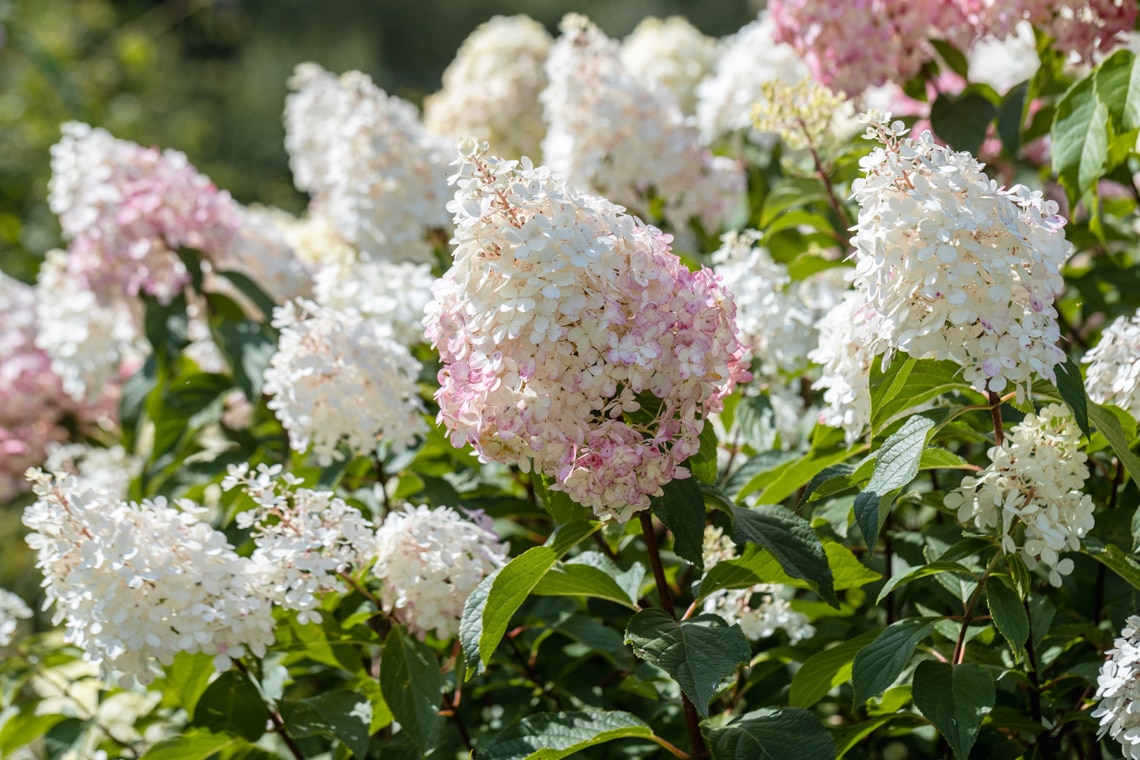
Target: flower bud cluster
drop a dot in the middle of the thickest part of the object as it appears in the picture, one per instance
(491, 89)
(612, 134)
(571, 336)
(1113, 375)
(758, 609)
(126, 211)
(338, 377)
(365, 157)
(428, 563)
(955, 266)
(136, 581)
(1118, 689)
(1031, 491)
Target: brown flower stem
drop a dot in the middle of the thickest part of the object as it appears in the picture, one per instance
(995, 414)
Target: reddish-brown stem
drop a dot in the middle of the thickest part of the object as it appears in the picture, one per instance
(995, 414)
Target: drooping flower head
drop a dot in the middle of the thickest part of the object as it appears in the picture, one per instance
(612, 134)
(572, 337)
(140, 582)
(429, 561)
(365, 157)
(1031, 491)
(338, 377)
(1114, 365)
(126, 211)
(955, 266)
(491, 88)
(1118, 688)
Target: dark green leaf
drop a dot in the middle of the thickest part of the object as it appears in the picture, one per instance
(924, 379)
(593, 574)
(192, 745)
(922, 571)
(1072, 388)
(1080, 138)
(1112, 557)
(771, 734)
(1108, 425)
(338, 714)
(250, 290)
(471, 624)
(825, 670)
(757, 472)
(558, 503)
(791, 540)
(962, 121)
(1008, 613)
(1011, 117)
(411, 682)
(232, 704)
(878, 665)
(954, 698)
(249, 350)
(757, 422)
(837, 475)
(698, 653)
(703, 464)
(551, 736)
(682, 509)
(895, 466)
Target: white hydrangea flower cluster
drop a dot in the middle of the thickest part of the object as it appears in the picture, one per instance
(491, 89)
(316, 243)
(775, 323)
(134, 582)
(365, 157)
(1031, 491)
(89, 337)
(429, 561)
(391, 295)
(304, 538)
(955, 266)
(612, 134)
(1118, 688)
(338, 377)
(1113, 375)
(109, 470)
(12, 611)
(845, 354)
(672, 53)
(751, 57)
(571, 336)
(261, 251)
(758, 610)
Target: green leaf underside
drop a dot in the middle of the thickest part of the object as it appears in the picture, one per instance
(550, 736)
(1080, 138)
(698, 653)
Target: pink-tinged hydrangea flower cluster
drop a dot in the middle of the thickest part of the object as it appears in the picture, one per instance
(126, 211)
(365, 157)
(955, 266)
(672, 53)
(491, 89)
(571, 336)
(751, 57)
(305, 539)
(844, 351)
(614, 135)
(1031, 491)
(429, 561)
(338, 377)
(1113, 375)
(141, 582)
(12, 611)
(759, 610)
(1118, 689)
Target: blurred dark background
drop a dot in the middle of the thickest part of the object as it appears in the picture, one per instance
(208, 77)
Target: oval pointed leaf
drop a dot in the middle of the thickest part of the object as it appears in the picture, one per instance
(791, 540)
(1108, 425)
(681, 507)
(1008, 613)
(1117, 82)
(1080, 138)
(954, 698)
(895, 466)
(699, 653)
(878, 665)
(232, 704)
(582, 579)
(825, 670)
(192, 745)
(771, 734)
(411, 682)
(551, 736)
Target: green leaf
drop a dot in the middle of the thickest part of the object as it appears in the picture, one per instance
(703, 464)
(923, 380)
(593, 574)
(771, 734)
(1112, 557)
(788, 478)
(192, 745)
(791, 540)
(758, 472)
(1072, 388)
(489, 609)
(922, 571)
(232, 704)
(698, 653)
(1117, 83)
(251, 290)
(937, 459)
(1108, 425)
(249, 350)
(24, 727)
(954, 698)
(339, 714)
(790, 192)
(757, 565)
(1008, 613)
(962, 121)
(825, 670)
(550, 736)
(895, 466)
(878, 665)
(411, 682)
(558, 503)
(682, 509)
(186, 679)
(831, 480)
(1011, 117)
(1080, 138)
(757, 422)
